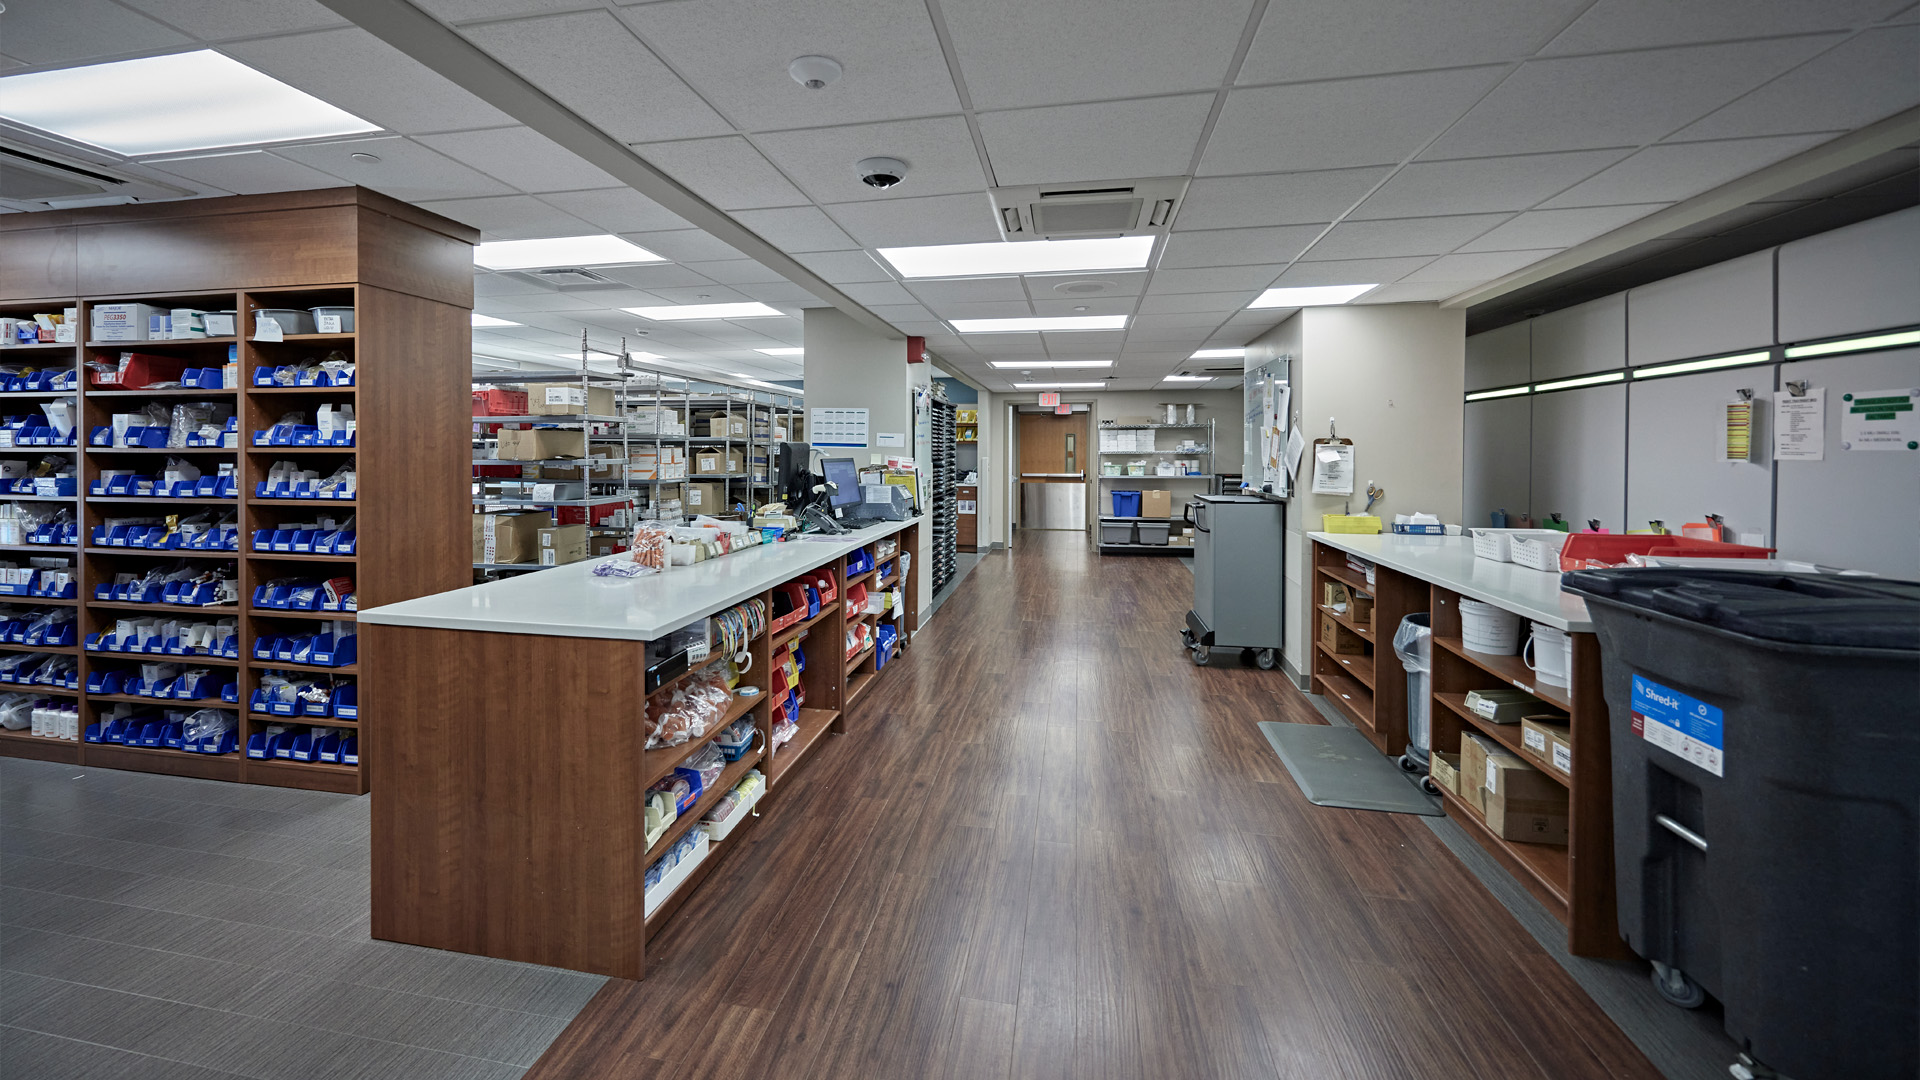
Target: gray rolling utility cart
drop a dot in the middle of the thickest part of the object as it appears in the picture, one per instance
(1238, 585)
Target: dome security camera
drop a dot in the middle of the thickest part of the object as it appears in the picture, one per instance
(814, 72)
(881, 172)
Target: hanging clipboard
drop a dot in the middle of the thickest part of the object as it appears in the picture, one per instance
(1332, 466)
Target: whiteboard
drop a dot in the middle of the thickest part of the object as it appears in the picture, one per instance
(1855, 509)
(1266, 410)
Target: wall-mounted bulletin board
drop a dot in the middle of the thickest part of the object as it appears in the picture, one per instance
(1268, 399)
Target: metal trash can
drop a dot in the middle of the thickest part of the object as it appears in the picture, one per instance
(1766, 743)
(1413, 644)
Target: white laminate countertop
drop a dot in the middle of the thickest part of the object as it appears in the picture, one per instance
(568, 601)
(1449, 562)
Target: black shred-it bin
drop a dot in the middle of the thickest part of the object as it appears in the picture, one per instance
(1766, 802)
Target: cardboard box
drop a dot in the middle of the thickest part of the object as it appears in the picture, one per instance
(725, 427)
(718, 463)
(1550, 741)
(508, 538)
(1445, 770)
(1339, 638)
(705, 498)
(577, 472)
(600, 546)
(1522, 803)
(1335, 595)
(1471, 783)
(540, 444)
(570, 401)
(563, 544)
(1156, 503)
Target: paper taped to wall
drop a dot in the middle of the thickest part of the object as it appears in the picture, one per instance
(1800, 426)
(1332, 468)
(1879, 420)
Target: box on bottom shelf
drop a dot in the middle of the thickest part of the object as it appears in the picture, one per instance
(659, 891)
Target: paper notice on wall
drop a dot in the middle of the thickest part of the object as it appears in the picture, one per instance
(1800, 426)
(893, 438)
(1879, 420)
(266, 329)
(1333, 468)
(1296, 446)
(838, 427)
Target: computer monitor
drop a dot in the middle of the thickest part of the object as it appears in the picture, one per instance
(845, 476)
(793, 478)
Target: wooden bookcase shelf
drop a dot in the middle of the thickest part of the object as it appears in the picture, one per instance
(406, 274)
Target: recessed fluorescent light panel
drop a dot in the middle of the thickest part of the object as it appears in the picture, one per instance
(1825, 348)
(1487, 395)
(166, 104)
(1056, 322)
(480, 321)
(1218, 354)
(1052, 363)
(1058, 385)
(1188, 378)
(1029, 257)
(1585, 380)
(782, 352)
(750, 310)
(1702, 365)
(1315, 296)
(601, 250)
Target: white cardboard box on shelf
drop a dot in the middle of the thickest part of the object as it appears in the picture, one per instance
(673, 879)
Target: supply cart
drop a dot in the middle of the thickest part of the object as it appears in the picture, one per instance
(1238, 587)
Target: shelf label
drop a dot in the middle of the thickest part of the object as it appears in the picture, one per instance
(1678, 724)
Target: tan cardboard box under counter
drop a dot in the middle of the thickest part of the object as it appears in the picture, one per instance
(1445, 770)
(1548, 739)
(1339, 638)
(1522, 803)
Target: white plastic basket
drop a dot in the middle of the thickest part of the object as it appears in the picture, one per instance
(1491, 544)
(1488, 629)
(1539, 549)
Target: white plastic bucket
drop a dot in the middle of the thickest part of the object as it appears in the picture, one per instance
(1488, 629)
(1549, 652)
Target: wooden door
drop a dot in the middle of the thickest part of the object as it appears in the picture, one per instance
(1053, 448)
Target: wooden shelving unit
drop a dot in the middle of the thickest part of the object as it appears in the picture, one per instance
(1369, 686)
(406, 273)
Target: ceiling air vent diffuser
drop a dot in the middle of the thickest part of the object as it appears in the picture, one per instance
(567, 279)
(1078, 211)
(33, 178)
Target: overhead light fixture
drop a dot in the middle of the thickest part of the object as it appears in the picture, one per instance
(1058, 385)
(480, 320)
(1825, 348)
(782, 352)
(1029, 325)
(199, 100)
(1584, 380)
(1702, 365)
(1218, 354)
(1188, 378)
(1051, 363)
(1311, 296)
(603, 250)
(1511, 391)
(1027, 257)
(752, 309)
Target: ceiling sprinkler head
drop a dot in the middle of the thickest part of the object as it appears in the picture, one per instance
(814, 72)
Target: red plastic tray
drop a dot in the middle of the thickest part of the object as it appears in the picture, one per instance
(1599, 551)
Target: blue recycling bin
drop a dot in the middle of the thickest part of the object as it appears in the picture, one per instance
(1126, 504)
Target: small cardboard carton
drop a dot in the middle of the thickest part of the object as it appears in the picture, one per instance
(570, 401)
(718, 462)
(563, 544)
(1548, 740)
(706, 498)
(508, 538)
(1156, 503)
(1522, 803)
(1471, 785)
(1338, 638)
(1445, 770)
(541, 444)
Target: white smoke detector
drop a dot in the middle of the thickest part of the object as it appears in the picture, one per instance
(814, 72)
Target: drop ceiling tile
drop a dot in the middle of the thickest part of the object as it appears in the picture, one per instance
(510, 217)
(1189, 320)
(1214, 302)
(406, 170)
(1015, 52)
(617, 210)
(249, 172)
(1482, 185)
(1237, 247)
(938, 152)
(1112, 284)
(1614, 25)
(964, 290)
(463, 10)
(500, 285)
(878, 292)
(1671, 172)
(1183, 336)
(983, 309)
(370, 79)
(778, 292)
(727, 172)
(1004, 345)
(893, 63)
(1322, 39)
(221, 20)
(1213, 280)
(685, 245)
(522, 157)
(936, 219)
(1082, 342)
(1238, 202)
(1091, 305)
(898, 313)
(653, 276)
(1863, 80)
(1379, 120)
(1617, 99)
(841, 267)
(795, 229)
(735, 272)
(1480, 267)
(591, 63)
(1401, 237)
(1413, 292)
(1351, 271)
(1559, 228)
(63, 30)
(700, 294)
(512, 307)
(1105, 140)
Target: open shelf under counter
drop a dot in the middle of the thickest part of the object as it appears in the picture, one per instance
(171, 703)
(1508, 669)
(33, 688)
(101, 655)
(151, 451)
(315, 669)
(284, 613)
(1507, 735)
(150, 344)
(63, 650)
(167, 392)
(311, 775)
(855, 579)
(1541, 868)
(858, 684)
(1352, 579)
(16, 497)
(728, 777)
(1348, 696)
(344, 390)
(47, 549)
(793, 632)
(294, 556)
(814, 725)
(1357, 666)
(160, 553)
(1365, 630)
(314, 503)
(212, 611)
(165, 760)
(656, 765)
(856, 659)
(40, 748)
(160, 500)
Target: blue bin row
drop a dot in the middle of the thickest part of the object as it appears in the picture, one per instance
(54, 487)
(294, 375)
(66, 379)
(183, 593)
(885, 638)
(290, 594)
(319, 650)
(301, 435)
(35, 431)
(35, 669)
(227, 645)
(187, 686)
(40, 628)
(307, 697)
(290, 743)
(204, 378)
(207, 487)
(160, 733)
(49, 584)
(222, 537)
(317, 541)
(55, 534)
(305, 489)
(859, 562)
(157, 436)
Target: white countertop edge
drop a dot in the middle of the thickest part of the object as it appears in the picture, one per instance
(574, 586)
(1449, 562)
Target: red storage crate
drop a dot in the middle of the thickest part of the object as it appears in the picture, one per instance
(584, 515)
(138, 371)
(509, 471)
(797, 596)
(822, 581)
(498, 402)
(1599, 551)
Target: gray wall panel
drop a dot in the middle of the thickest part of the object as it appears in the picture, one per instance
(1581, 340)
(1499, 437)
(1721, 308)
(1579, 445)
(1498, 357)
(1855, 509)
(1853, 280)
(1674, 471)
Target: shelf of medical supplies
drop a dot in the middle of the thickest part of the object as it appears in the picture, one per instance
(288, 451)
(1507, 735)
(863, 616)
(168, 553)
(1152, 427)
(251, 501)
(858, 683)
(167, 702)
(315, 775)
(344, 336)
(603, 500)
(1357, 665)
(577, 418)
(288, 556)
(1351, 698)
(511, 566)
(1352, 579)
(887, 581)
(35, 395)
(38, 346)
(1363, 629)
(64, 650)
(854, 660)
(37, 498)
(722, 784)
(1510, 670)
(39, 547)
(174, 451)
(1195, 452)
(1545, 864)
(347, 389)
(172, 609)
(164, 760)
(160, 500)
(813, 725)
(565, 463)
(28, 745)
(39, 601)
(656, 765)
(190, 659)
(858, 578)
(169, 391)
(794, 631)
(299, 721)
(159, 343)
(282, 665)
(283, 613)
(35, 688)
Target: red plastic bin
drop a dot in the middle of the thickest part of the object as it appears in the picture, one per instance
(1599, 551)
(138, 370)
(497, 402)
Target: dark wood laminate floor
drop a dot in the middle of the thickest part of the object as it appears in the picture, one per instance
(1051, 847)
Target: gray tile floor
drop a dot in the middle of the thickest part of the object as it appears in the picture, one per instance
(174, 929)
